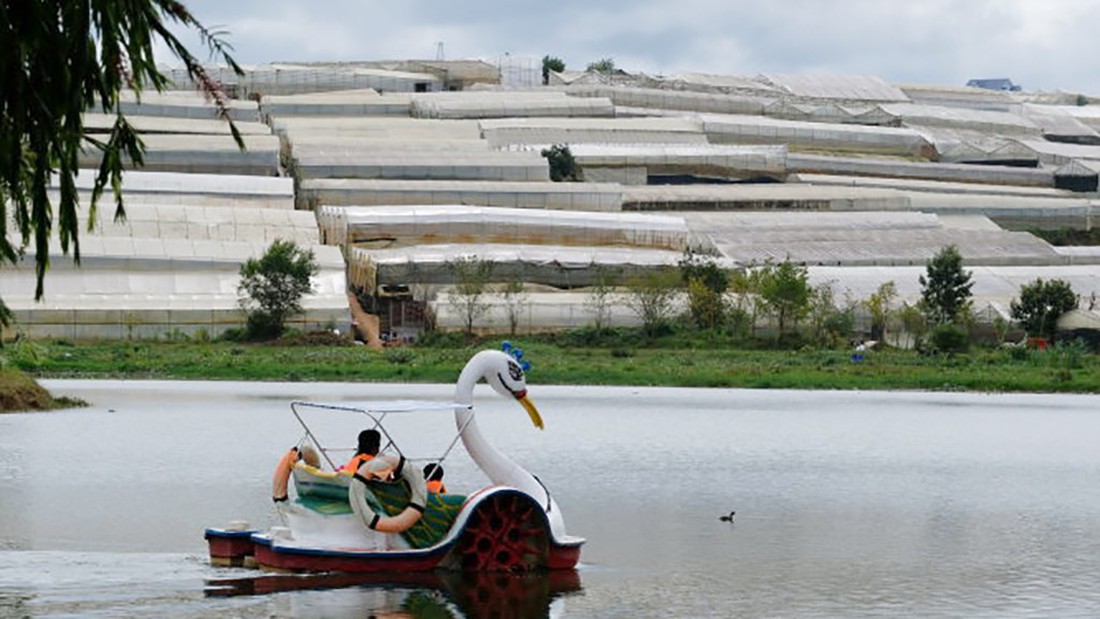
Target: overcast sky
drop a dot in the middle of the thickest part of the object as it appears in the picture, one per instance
(1040, 44)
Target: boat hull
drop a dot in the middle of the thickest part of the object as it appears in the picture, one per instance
(501, 529)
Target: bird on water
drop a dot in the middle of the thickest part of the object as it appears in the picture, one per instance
(728, 518)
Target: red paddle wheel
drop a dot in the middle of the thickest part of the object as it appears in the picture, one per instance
(507, 532)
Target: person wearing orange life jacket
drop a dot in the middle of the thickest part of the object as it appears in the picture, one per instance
(434, 474)
(369, 442)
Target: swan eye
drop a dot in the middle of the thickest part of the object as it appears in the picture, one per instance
(515, 371)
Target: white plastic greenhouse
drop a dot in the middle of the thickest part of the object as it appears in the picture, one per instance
(503, 132)
(507, 104)
(762, 197)
(183, 104)
(686, 101)
(204, 154)
(869, 166)
(147, 287)
(541, 311)
(475, 164)
(725, 161)
(289, 79)
(142, 187)
(864, 239)
(361, 192)
(209, 223)
(403, 226)
(732, 129)
(146, 125)
(364, 102)
(385, 127)
(561, 266)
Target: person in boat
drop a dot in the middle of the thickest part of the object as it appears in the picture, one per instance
(369, 442)
(434, 474)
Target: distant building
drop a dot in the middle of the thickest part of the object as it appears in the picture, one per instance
(998, 83)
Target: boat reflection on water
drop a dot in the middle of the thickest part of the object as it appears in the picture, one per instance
(469, 595)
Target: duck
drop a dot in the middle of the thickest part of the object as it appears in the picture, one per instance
(728, 518)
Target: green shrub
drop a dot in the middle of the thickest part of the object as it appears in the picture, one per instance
(949, 338)
(399, 356)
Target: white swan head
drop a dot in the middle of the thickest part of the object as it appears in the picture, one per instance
(505, 375)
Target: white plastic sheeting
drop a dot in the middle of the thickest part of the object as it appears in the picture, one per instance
(762, 197)
(205, 154)
(507, 104)
(868, 166)
(140, 186)
(288, 79)
(380, 127)
(1012, 211)
(712, 83)
(991, 121)
(364, 102)
(1056, 153)
(541, 311)
(183, 104)
(502, 132)
(863, 239)
(732, 129)
(1056, 122)
(957, 145)
(932, 186)
(360, 192)
(830, 112)
(728, 161)
(687, 101)
(145, 125)
(209, 223)
(324, 161)
(397, 226)
(835, 87)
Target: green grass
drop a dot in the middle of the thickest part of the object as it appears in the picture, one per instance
(556, 360)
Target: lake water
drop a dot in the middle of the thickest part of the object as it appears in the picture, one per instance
(849, 504)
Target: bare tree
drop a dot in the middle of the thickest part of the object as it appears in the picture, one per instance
(471, 281)
(879, 306)
(516, 302)
(651, 297)
(600, 296)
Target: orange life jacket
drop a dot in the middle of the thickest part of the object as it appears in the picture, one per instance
(356, 461)
(437, 487)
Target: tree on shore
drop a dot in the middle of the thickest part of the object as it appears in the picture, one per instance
(651, 297)
(878, 305)
(706, 282)
(945, 288)
(1040, 305)
(59, 59)
(471, 283)
(599, 298)
(516, 302)
(273, 285)
(786, 292)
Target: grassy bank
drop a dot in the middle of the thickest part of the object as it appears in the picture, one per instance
(1015, 370)
(20, 392)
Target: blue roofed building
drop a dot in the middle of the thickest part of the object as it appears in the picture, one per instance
(997, 83)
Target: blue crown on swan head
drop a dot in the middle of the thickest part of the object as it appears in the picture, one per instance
(517, 354)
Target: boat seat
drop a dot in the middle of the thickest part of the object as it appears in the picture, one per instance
(439, 514)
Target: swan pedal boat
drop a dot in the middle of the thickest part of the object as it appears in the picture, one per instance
(381, 518)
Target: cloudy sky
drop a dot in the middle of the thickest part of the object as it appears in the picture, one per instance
(1040, 44)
